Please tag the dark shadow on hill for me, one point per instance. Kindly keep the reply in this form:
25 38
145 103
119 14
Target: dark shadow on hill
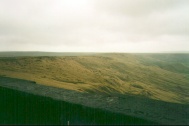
23 108
50 105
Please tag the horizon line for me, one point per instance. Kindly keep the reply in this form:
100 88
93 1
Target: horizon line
97 52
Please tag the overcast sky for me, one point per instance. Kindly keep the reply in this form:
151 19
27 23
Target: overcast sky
94 25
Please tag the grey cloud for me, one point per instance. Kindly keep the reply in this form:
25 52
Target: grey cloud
100 25
144 27
138 7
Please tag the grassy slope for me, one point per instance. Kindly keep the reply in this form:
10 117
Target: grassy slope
157 76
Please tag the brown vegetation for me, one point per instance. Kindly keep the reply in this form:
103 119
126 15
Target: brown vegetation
147 75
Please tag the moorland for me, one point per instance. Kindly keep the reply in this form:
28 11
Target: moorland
156 77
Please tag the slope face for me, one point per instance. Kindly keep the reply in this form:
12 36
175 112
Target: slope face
134 109
155 76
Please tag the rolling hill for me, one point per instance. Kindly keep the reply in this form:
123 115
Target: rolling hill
163 77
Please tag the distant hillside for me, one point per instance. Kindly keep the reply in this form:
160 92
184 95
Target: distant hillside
30 53
156 76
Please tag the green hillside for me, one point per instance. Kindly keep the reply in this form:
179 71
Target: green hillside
157 76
